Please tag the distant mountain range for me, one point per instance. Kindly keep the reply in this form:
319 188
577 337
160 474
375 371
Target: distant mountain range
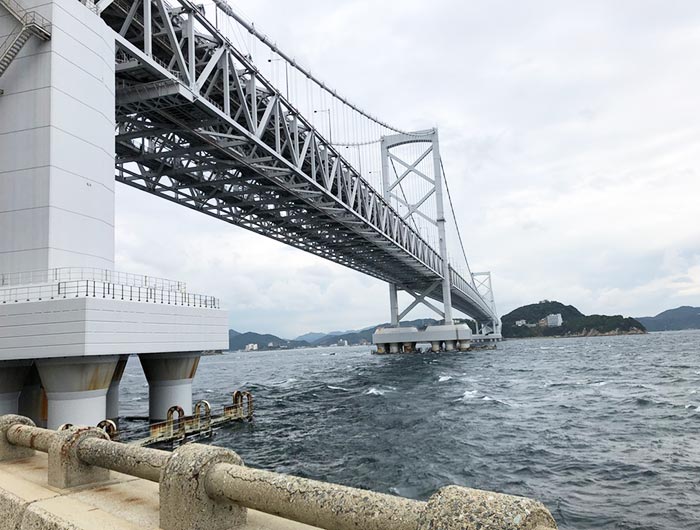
575 323
238 341
684 317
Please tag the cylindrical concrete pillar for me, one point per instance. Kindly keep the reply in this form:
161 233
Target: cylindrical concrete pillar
450 345
169 378
12 376
464 345
393 347
435 346
33 402
113 391
76 388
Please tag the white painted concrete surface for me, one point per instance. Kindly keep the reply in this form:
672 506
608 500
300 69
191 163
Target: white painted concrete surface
57 144
97 326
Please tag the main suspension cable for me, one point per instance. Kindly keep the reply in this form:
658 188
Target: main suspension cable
228 10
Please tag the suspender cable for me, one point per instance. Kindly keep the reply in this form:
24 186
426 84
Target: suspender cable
454 216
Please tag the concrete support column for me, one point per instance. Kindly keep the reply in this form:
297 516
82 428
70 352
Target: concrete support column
12 376
113 391
169 378
394 304
77 388
33 402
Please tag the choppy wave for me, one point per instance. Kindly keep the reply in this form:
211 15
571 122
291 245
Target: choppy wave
602 430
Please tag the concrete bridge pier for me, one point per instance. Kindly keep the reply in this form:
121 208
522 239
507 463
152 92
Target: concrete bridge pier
113 391
33 402
12 375
169 378
76 388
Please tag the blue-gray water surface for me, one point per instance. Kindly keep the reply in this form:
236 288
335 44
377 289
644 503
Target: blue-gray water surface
605 431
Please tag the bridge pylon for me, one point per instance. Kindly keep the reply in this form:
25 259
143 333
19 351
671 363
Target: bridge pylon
413 161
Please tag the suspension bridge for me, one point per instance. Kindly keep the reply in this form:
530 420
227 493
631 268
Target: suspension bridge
193 104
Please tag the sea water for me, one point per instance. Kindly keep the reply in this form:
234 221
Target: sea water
604 430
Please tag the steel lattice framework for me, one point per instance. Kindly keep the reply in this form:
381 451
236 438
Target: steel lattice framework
199 125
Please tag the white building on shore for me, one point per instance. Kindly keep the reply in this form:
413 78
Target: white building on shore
554 320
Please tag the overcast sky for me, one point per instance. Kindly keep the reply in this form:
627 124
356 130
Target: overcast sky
570 133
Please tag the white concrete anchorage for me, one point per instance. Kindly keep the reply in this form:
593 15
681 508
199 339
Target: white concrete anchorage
69 321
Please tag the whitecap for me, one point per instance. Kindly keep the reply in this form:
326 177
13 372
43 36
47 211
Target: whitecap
600 383
470 394
374 392
331 387
486 398
444 378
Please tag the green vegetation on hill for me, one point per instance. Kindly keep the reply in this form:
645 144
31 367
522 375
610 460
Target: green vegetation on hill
575 323
238 341
535 312
684 317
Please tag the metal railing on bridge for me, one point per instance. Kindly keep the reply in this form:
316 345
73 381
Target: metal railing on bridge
29 23
66 274
106 290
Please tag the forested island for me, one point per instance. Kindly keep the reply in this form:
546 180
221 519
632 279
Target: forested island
541 320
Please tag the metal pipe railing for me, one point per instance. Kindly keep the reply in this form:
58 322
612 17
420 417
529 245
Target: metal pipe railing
103 289
311 502
63 274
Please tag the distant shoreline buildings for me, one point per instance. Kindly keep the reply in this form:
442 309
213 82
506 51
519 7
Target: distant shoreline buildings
553 320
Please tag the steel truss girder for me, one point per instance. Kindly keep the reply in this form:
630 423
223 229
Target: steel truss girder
200 126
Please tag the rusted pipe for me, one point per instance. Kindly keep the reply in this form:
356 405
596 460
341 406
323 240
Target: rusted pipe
31 437
311 502
128 459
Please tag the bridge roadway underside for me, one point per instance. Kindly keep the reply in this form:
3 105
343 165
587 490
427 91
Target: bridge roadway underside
240 154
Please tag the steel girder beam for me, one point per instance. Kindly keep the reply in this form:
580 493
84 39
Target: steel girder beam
199 125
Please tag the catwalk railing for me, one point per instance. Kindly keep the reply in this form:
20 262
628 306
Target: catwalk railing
199 481
66 274
106 290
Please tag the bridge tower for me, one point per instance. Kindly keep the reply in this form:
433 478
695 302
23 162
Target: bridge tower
69 318
398 167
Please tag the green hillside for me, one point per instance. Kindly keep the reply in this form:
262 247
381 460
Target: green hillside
575 323
240 340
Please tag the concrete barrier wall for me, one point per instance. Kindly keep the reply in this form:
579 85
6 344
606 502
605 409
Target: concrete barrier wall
203 487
